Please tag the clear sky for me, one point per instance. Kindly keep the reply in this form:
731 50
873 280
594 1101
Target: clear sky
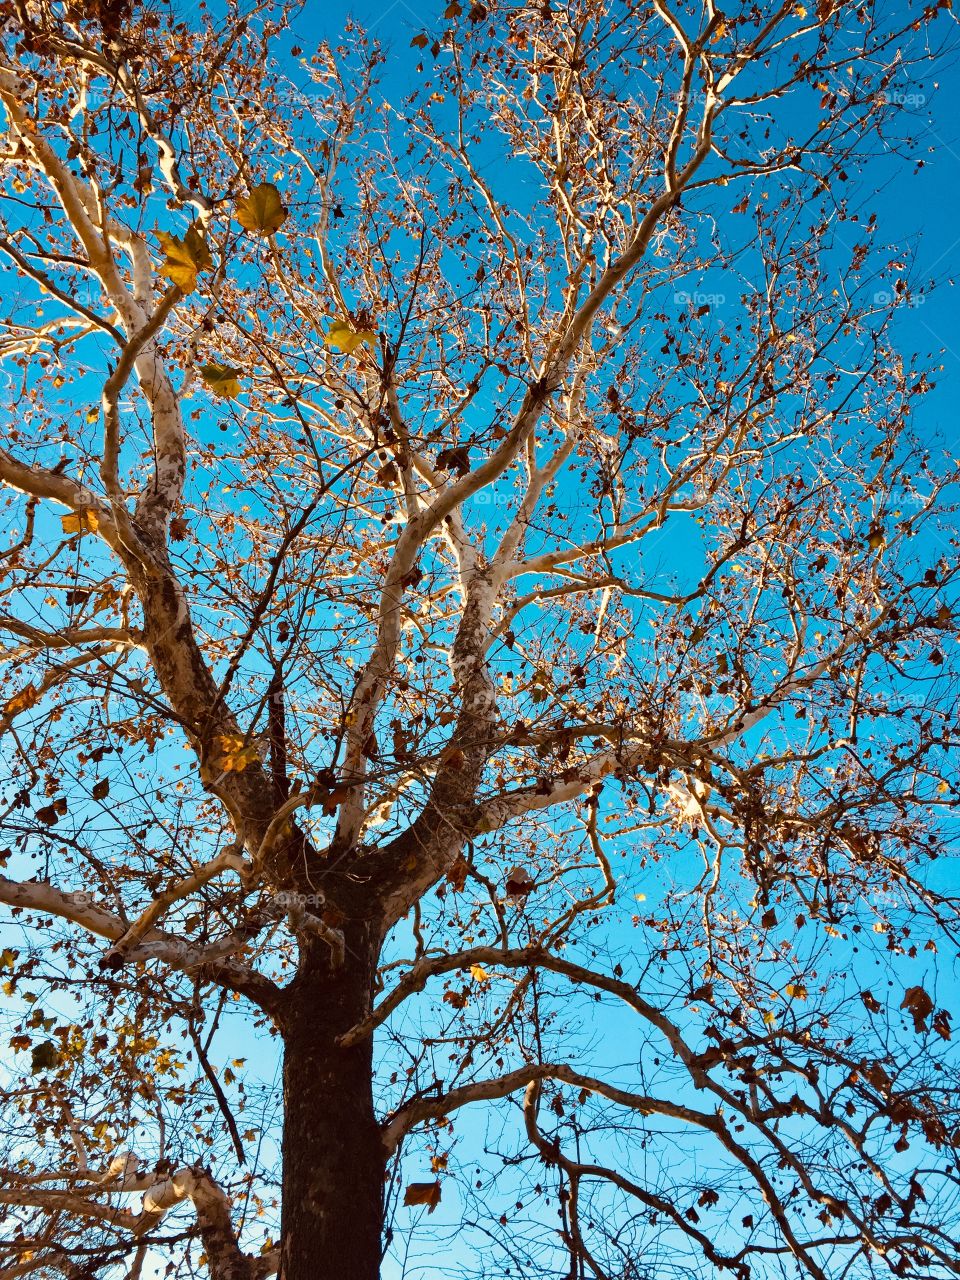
917 214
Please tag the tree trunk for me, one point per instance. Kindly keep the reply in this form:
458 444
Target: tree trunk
333 1155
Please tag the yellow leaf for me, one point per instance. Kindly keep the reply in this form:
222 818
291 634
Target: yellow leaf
343 337
93 413
28 697
479 974
82 521
942 788
769 1019
233 755
796 990
222 379
262 211
185 258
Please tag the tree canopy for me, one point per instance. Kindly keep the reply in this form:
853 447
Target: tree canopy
479 620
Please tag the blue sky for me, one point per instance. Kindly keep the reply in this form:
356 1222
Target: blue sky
912 207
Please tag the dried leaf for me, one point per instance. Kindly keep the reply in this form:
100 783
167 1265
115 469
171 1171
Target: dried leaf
26 698
262 211
185 258
919 1005
82 521
427 1193
457 874
519 882
45 1057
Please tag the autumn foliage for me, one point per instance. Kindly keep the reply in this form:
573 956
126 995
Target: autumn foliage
479 609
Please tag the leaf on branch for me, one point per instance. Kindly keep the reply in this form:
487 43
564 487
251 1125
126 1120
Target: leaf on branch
8 957
26 698
456 458
427 1193
457 874
185 258
101 789
222 379
83 521
342 336
50 814
479 974
262 212
919 1005
796 990
871 1001
941 1023
233 754
519 882
45 1057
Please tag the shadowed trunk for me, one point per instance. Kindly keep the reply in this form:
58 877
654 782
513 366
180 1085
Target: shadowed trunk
333 1154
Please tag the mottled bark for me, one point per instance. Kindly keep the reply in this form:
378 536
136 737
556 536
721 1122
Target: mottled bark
225 1259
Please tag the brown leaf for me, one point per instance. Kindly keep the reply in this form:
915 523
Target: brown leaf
27 697
871 1001
919 1005
427 1193
457 874
455 459
519 882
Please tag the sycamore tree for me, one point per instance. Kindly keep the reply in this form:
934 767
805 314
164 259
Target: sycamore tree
480 648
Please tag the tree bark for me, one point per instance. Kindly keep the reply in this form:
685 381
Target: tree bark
334 1157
